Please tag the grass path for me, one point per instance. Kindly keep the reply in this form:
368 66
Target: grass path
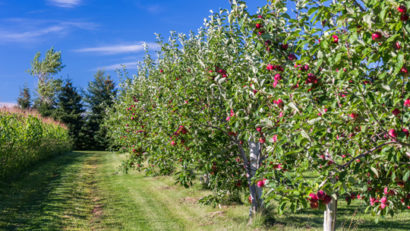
86 191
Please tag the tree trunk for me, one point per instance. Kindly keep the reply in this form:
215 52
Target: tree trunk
255 191
329 221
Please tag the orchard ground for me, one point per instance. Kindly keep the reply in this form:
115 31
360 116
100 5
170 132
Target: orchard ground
87 191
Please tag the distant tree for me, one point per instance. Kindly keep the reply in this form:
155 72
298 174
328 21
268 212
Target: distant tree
47 108
99 97
69 110
47 86
24 100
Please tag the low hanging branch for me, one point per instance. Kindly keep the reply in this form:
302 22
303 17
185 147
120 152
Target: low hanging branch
365 153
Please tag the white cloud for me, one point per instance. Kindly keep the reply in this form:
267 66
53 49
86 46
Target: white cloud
29 35
118 49
150 8
30 30
154 9
127 65
6 104
65 3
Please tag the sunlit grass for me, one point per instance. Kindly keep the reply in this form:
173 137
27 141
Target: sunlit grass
87 191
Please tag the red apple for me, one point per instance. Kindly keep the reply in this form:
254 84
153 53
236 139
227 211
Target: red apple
407 103
397 46
275 138
321 195
376 36
261 183
405 131
314 204
353 116
291 57
402 9
313 197
327 199
392 133
335 38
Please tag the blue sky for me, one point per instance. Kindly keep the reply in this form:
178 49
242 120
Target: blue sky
91 34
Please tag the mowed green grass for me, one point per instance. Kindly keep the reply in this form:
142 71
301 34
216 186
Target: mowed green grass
87 191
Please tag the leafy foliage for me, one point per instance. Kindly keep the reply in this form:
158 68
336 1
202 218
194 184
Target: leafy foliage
324 89
47 86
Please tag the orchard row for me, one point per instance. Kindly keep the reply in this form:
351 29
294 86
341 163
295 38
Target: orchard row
311 105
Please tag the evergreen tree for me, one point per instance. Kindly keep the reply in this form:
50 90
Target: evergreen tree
99 97
24 100
69 110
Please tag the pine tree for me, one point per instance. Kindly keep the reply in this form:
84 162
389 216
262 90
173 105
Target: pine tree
24 100
99 96
69 110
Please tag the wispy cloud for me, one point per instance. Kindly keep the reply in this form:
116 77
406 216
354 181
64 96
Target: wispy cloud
28 35
31 30
151 8
154 8
7 104
65 3
118 49
127 65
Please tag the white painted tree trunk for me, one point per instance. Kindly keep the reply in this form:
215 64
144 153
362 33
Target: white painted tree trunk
256 192
329 221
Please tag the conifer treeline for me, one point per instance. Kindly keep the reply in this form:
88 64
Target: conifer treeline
82 111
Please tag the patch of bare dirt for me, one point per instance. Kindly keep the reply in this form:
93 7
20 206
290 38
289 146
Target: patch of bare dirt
97 211
167 187
189 200
216 214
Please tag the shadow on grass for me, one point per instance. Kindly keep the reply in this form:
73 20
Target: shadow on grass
351 218
40 197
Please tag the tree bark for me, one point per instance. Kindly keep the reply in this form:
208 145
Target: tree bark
329 221
255 191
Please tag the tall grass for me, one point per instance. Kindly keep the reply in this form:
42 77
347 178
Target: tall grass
26 137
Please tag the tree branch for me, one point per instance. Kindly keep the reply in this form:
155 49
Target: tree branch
358 5
365 153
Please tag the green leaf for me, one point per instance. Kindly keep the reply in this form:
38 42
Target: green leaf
293 105
375 171
338 58
406 176
383 13
399 64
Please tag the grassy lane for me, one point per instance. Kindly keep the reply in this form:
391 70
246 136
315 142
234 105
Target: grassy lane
86 191
54 195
